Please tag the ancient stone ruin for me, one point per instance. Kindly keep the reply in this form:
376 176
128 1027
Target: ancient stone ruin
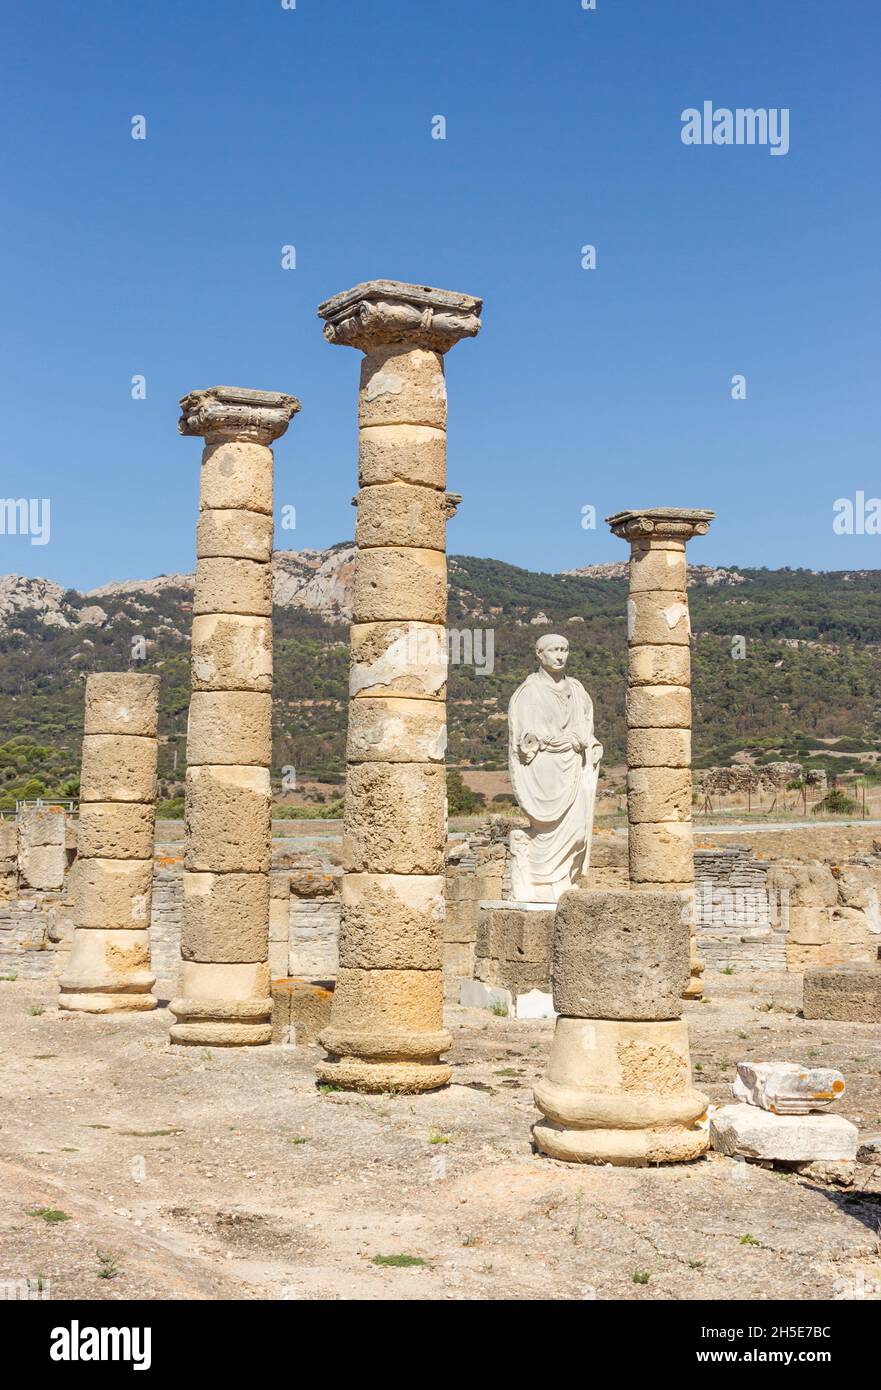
109 966
618 1086
353 941
659 787
386 1030
224 996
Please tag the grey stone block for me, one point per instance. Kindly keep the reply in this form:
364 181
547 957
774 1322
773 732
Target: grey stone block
620 955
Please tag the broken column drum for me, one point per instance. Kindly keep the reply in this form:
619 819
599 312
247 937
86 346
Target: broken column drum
109 966
386 1030
618 1086
224 996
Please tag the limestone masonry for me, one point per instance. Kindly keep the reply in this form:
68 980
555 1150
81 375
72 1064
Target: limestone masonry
109 966
659 701
224 997
386 1030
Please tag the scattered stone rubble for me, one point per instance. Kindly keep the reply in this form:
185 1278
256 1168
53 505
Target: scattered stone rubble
780 1116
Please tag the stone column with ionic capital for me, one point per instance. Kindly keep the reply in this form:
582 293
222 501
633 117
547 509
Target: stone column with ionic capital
224 996
659 781
386 1030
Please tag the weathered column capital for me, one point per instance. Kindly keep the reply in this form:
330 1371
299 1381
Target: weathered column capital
235 412
379 313
660 523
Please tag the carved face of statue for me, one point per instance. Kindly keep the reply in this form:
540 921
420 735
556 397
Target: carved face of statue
553 653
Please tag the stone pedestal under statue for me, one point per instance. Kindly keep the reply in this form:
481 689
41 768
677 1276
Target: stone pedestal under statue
512 966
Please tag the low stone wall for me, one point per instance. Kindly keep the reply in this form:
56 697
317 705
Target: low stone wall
166 916
476 872
741 919
834 910
752 914
34 929
304 922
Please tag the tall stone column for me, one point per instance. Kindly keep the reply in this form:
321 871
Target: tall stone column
224 998
109 966
386 1030
659 782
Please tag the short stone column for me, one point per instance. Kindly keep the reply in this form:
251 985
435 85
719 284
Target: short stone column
618 1087
109 966
224 996
659 783
386 1030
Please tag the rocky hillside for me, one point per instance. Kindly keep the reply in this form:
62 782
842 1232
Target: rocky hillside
810 669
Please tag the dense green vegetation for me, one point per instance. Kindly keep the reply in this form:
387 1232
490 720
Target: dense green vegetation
811 672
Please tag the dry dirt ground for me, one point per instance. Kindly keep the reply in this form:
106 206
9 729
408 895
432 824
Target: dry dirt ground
188 1174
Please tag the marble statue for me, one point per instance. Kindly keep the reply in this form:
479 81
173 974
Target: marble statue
553 759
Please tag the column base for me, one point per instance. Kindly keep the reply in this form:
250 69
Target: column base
96 1002
108 972
695 987
218 1033
620 1092
224 1005
399 1061
625 1148
221 1022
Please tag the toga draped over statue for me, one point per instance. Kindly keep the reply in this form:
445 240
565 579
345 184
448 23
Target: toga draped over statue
553 759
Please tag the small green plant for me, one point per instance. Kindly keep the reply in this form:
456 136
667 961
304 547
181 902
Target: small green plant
641 1276
206 1054
696 1264
8 977
435 1136
748 1240
471 1240
507 1071
499 1008
298 1139
107 1265
398 1261
742 1034
729 970
325 1088
35 1010
49 1214
836 803
698 1066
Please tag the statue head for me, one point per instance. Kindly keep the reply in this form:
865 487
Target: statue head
552 651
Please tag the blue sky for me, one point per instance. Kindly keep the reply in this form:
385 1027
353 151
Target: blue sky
609 388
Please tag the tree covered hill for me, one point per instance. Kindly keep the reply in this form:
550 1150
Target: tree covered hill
807 670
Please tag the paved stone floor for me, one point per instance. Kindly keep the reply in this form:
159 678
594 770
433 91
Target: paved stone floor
190 1174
